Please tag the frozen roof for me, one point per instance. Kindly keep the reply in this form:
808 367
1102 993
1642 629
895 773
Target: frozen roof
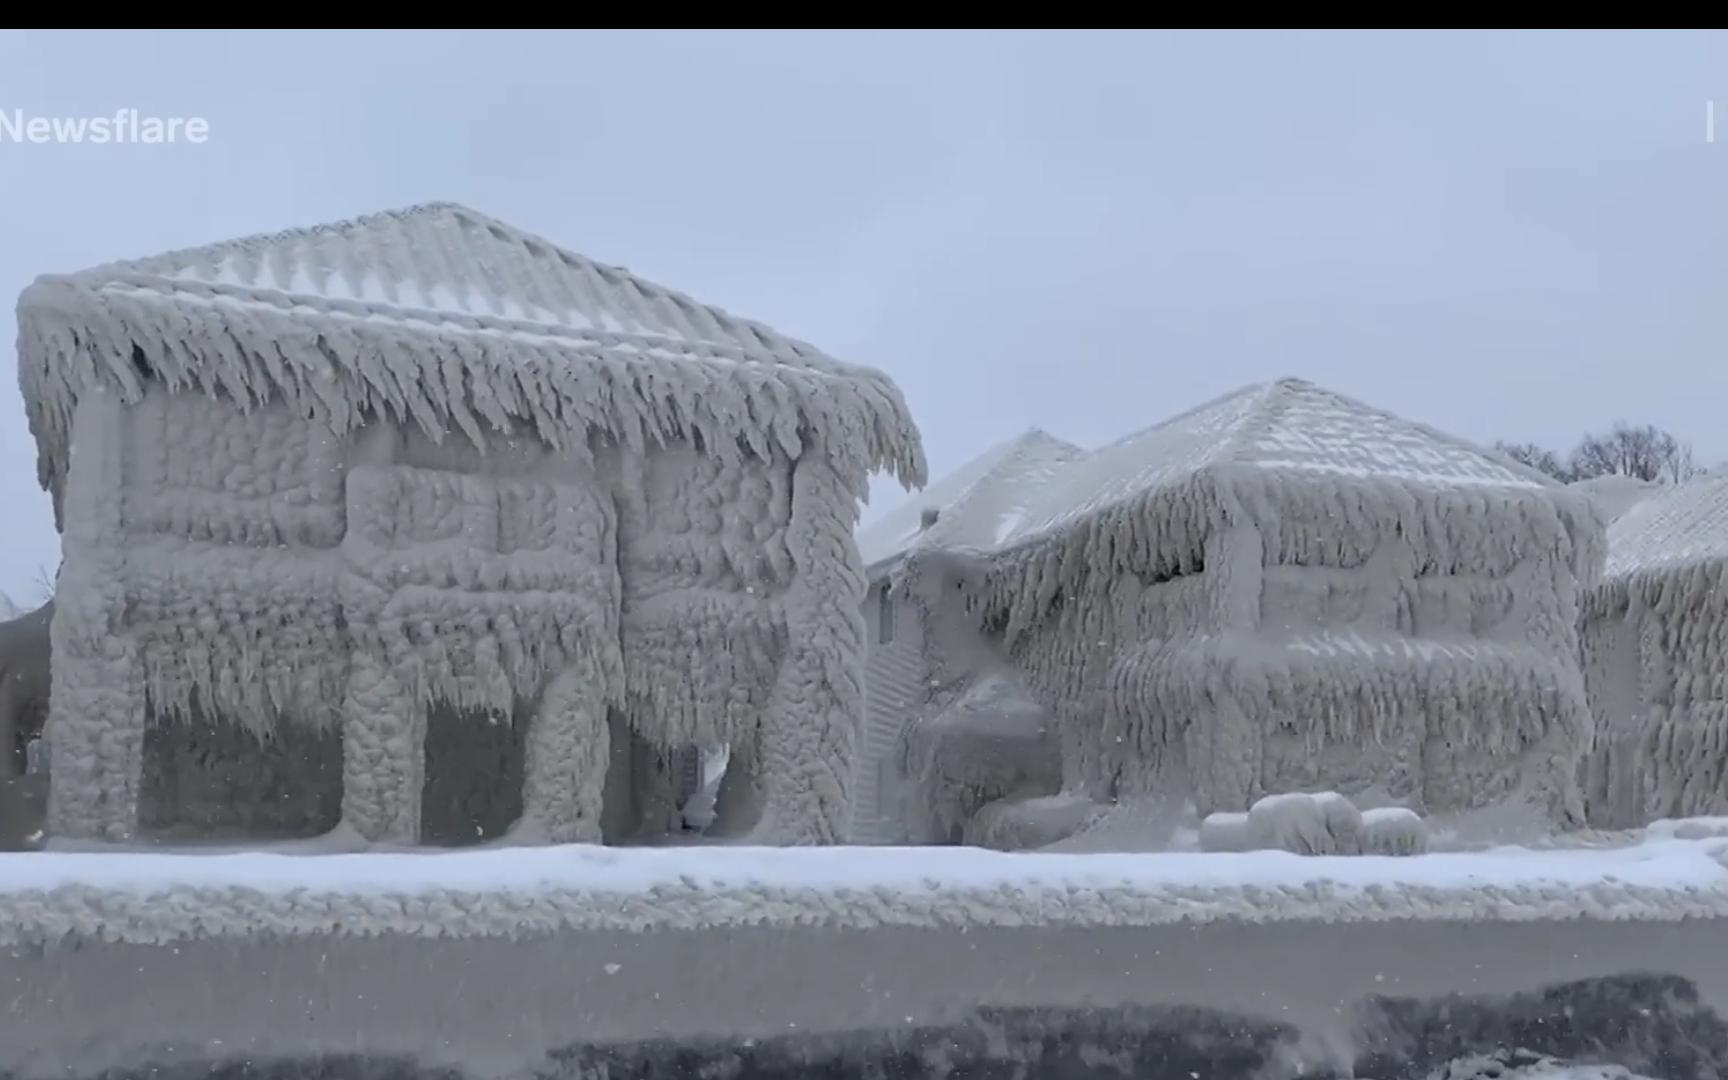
1289 426
1685 525
442 262
1615 495
978 504
443 314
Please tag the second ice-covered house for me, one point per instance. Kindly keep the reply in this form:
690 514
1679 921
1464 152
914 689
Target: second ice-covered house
1287 589
408 526
1655 637
934 689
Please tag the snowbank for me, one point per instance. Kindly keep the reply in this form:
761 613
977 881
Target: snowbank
1223 832
1024 824
1692 828
520 892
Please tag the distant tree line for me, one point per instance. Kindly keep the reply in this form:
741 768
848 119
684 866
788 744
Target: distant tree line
1644 453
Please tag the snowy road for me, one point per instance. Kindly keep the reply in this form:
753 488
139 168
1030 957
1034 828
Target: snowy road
491 1006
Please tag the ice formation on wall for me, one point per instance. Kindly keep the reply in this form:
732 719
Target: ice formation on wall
968 733
1655 640
335 479
1286 589
992 742
922 668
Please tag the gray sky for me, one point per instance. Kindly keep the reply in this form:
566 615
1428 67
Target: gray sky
1505 235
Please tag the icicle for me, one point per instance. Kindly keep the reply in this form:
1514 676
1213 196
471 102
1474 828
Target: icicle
283 259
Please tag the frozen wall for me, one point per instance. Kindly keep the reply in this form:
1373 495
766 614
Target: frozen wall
481 586
896 683
741 627
1248 632
399 604
990 742
1656 661
199 565
967 733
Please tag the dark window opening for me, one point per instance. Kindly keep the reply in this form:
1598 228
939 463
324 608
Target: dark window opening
208 778
472 791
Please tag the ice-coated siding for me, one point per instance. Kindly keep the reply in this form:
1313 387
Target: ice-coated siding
896 683
248 595
1274 664
1655 636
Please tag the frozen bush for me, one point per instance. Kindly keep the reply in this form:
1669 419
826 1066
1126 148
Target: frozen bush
1393 830
1323 823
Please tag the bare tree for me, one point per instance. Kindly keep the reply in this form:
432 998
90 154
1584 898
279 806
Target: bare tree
44 585
1647 453
1539 458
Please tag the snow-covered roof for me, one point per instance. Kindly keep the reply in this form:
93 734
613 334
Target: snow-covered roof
443 262
1685 525
977 504
1290 426
1615 495
443 314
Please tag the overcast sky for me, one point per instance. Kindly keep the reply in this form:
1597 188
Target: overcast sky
1505 235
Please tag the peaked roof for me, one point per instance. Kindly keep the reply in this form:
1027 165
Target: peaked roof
1615 495
443 262
1289 426
449 317
1684 525
978 503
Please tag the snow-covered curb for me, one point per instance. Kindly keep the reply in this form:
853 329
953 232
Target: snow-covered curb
154 898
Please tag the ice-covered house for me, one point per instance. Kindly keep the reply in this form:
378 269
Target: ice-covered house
1288 589
402 526
919 667
1655 636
